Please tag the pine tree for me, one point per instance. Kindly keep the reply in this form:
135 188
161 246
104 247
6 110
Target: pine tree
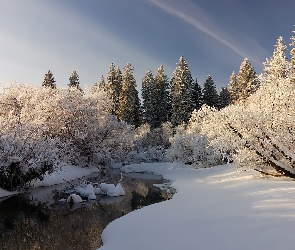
181 94
197 95
129 103
162 99
113 87
74 80
148 97
49 81
277 66
247 80
210 94
100 85
234 88
292 52
224 98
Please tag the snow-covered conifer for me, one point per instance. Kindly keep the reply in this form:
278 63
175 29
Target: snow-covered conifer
162 101
148 97
247 80
113 87
74 80
129 103
292 52
181 94
277 66
210 94
49 80
233 88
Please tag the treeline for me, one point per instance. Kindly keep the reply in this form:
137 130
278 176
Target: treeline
163 99
257 131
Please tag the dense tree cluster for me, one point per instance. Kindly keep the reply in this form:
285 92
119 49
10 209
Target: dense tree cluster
257 130
250 122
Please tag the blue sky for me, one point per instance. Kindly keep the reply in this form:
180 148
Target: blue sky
88 35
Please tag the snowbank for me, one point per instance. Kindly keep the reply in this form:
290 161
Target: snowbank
4 193
213 209
66 173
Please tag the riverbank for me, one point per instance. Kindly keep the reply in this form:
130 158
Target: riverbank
213 208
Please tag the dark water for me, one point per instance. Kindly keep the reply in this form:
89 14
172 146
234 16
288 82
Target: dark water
37 220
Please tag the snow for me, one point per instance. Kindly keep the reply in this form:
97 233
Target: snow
65 173
74 198
4 193
214 208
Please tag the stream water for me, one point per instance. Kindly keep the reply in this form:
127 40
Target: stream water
38 220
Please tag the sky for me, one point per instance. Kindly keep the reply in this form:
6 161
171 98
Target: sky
87 36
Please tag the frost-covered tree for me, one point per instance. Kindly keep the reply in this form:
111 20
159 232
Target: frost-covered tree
292 52
113 87
210 94
197 95
42 127
233 88
49 81
100 85
278 65
148 97
74 80
224 98
129 103
181 94
247 80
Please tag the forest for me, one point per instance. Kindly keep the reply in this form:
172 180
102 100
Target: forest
249 123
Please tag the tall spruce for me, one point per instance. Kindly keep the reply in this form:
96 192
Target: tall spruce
129 103
224 98
100 85
148 97
210 94
181 94
247 80
234 88
162 100
49 81
197 95
113 87
74 80
278 65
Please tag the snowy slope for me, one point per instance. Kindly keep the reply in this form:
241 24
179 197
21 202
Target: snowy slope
212 209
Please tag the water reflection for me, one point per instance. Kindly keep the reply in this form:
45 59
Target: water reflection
30 224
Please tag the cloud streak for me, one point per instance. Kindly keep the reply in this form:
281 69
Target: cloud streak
191 14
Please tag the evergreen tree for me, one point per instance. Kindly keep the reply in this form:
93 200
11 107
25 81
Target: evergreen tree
197 95
49 81
247 80
181 94
162 99
234 88
113 87
224 98
277 66
74 80
129 103
100 85
148 97
210 94
292 52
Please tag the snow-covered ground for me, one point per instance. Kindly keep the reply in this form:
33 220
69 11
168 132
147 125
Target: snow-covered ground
213 209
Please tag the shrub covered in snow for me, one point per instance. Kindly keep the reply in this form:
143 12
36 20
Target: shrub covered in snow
45 126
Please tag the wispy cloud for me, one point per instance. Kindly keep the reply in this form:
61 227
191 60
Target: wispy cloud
192 14
35 40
